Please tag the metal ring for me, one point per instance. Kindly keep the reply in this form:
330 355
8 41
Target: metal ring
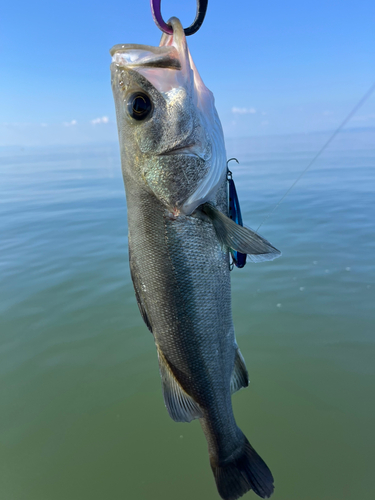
193 28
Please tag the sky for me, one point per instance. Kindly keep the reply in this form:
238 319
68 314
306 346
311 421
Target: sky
274 67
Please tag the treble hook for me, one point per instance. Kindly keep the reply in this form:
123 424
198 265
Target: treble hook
193 28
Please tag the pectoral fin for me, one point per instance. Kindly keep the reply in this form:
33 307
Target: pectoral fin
240 376
239 238
181 407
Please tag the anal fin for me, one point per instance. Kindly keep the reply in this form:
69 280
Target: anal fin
240 376
181 407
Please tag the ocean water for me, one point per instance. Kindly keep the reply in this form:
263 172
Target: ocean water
82 414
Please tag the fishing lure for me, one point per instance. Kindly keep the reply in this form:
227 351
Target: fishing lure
239 259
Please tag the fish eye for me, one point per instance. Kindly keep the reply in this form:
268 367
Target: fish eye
139 106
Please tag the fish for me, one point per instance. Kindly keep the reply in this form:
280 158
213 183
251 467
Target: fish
180 235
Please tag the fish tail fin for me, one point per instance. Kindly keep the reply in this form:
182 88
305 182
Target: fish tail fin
245 472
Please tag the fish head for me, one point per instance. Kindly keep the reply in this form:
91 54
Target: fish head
170 135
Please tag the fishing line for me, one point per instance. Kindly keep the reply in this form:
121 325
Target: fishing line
325 145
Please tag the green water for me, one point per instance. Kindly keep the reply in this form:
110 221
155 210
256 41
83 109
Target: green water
82 415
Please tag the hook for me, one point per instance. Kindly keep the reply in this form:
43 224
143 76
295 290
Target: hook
193 28
229 173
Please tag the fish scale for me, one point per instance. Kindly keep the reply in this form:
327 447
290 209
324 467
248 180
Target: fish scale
187 298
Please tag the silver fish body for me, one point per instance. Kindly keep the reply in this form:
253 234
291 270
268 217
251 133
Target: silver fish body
174 168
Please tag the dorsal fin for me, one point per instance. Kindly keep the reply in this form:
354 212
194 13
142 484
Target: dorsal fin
181 407
137 290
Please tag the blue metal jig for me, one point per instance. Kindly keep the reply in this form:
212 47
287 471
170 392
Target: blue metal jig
239 259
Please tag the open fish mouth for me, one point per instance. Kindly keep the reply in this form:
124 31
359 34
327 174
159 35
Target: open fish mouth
145 56
150 61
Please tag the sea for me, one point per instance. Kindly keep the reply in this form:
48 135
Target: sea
82 414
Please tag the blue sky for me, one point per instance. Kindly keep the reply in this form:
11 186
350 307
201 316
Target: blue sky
274 67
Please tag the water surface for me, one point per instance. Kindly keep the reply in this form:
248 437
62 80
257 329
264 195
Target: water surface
82 414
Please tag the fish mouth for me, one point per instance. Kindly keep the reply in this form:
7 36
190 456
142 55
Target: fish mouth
145 56
161 66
